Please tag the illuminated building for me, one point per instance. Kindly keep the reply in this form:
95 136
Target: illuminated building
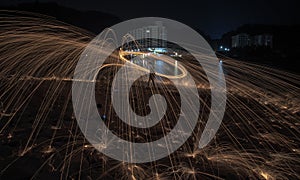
263 40
156 32
241 40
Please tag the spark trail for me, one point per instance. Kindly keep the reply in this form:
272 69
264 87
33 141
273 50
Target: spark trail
259 136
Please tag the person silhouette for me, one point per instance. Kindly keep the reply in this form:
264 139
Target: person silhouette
152 74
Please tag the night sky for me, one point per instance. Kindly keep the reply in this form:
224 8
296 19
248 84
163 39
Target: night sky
214 17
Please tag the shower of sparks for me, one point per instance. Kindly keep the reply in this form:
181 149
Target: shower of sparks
258 139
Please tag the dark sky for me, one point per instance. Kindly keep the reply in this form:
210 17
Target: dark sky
214 17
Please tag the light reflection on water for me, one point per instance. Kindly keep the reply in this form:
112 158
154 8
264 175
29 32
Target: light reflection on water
169 67
160 66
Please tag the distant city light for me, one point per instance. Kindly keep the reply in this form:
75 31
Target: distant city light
157 50
221 47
